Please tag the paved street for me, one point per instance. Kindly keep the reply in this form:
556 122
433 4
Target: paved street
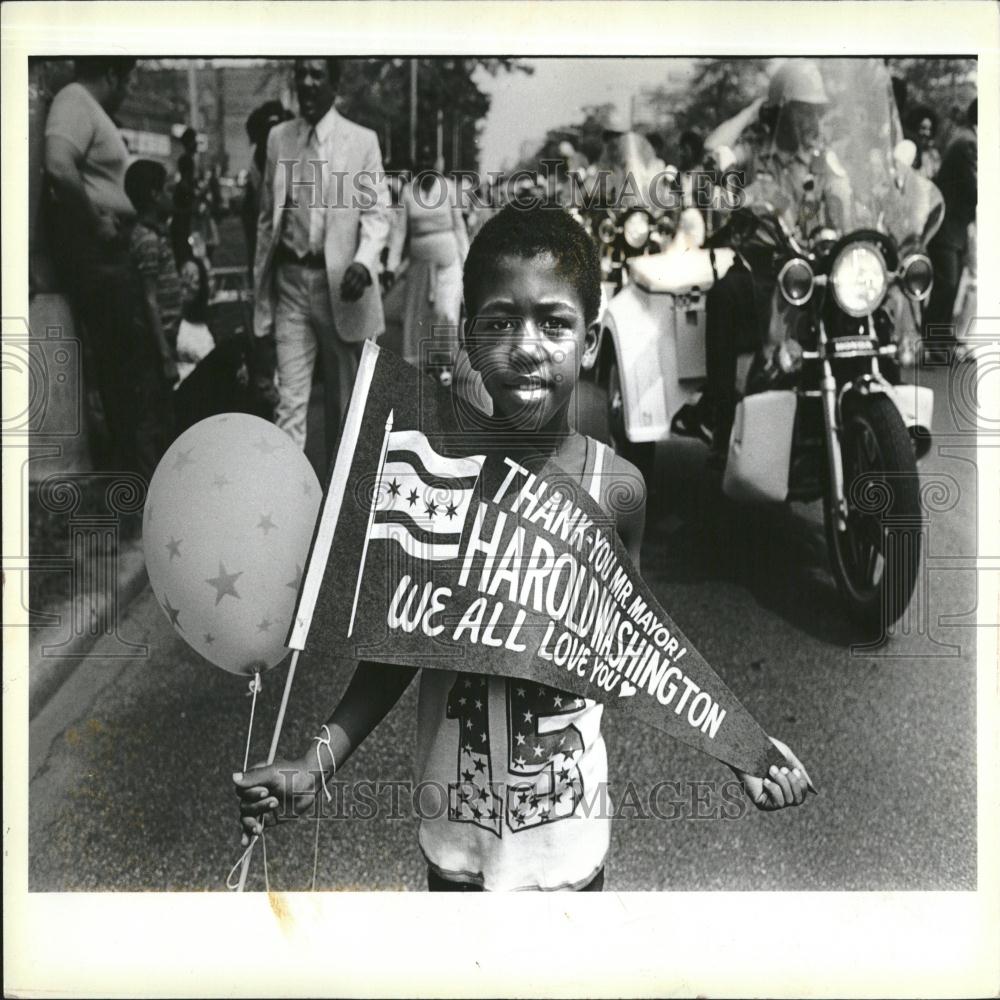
131 761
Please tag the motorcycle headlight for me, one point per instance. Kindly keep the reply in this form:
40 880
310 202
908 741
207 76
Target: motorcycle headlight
606 231
635 229
917 276
796 281
859 279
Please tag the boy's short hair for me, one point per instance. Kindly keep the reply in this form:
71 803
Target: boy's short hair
530 231
142 179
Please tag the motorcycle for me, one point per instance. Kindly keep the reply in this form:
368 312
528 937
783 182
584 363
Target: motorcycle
837 426
617 204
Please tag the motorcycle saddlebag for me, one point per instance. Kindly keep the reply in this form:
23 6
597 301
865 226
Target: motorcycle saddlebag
760 447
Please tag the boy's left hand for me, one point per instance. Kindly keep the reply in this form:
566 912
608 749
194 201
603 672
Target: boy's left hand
785 786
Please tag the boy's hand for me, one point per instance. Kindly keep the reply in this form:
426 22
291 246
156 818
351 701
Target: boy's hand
785 786
282 790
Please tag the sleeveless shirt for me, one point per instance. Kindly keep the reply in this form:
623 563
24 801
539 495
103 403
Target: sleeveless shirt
513 774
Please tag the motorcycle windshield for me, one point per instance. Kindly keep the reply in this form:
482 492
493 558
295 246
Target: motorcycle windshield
632 168
862 131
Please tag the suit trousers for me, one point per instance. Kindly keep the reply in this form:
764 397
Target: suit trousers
304 325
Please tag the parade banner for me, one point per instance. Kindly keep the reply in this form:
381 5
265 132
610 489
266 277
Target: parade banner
441 545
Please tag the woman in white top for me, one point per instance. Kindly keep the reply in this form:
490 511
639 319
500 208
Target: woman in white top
430 214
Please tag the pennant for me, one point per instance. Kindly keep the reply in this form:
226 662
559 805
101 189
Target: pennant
437 548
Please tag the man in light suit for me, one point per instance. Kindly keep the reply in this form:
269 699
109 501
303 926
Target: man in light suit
324 220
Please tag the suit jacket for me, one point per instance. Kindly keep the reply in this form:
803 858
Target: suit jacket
355 221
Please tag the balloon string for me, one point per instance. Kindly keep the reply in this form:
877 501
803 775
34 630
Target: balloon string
254 689
322 741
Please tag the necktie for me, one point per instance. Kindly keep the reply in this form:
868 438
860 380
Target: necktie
316 211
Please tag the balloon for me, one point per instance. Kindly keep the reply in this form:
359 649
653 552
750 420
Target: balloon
226 530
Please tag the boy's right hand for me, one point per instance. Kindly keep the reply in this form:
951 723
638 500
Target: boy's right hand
282 790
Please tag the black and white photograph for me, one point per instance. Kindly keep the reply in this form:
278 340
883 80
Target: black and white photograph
445 453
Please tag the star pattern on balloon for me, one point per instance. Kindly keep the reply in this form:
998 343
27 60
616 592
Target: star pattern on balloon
174 547
266 524
209 638
183 460
266 447
221 481
264 625
294 583
172 613
224 583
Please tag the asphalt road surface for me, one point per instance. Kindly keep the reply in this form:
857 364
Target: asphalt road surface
131 760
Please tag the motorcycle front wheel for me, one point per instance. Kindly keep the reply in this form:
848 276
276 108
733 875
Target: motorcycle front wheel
876 558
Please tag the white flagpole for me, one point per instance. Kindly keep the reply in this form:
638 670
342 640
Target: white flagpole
371 519
319 554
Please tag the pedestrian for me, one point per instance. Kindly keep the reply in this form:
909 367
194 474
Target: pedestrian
532 292
949 249
158 315
194 338
185 198
323 222
921 127
85 162
430 214
259 124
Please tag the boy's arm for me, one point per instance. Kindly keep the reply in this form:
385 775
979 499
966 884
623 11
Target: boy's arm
289 786
626 497
151 310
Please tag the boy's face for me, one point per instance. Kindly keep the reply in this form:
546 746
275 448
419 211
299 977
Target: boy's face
528 340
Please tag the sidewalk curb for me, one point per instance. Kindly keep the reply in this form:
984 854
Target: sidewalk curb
47 673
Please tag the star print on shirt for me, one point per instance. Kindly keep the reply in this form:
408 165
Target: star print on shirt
394 488
452 511
224 583
412 498
430 508
473 800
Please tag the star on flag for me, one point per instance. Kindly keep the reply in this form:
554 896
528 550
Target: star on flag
423 497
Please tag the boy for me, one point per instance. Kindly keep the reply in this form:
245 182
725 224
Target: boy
159 308
532 294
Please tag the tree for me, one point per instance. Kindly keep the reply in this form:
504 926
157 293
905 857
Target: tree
946 85
376 93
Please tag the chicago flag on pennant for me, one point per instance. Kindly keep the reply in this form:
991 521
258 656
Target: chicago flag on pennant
423 497
436 548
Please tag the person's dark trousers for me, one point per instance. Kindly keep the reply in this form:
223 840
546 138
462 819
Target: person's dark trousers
102 291
947 259
736 318
435 883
